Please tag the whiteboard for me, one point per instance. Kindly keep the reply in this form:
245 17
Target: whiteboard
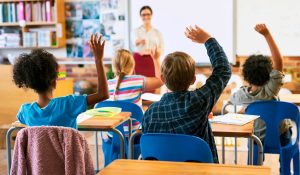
281 16
171 17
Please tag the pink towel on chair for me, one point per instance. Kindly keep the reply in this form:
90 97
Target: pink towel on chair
51 150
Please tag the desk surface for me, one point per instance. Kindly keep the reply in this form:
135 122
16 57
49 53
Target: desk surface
226 130
95 123
292 98
142 167
104 123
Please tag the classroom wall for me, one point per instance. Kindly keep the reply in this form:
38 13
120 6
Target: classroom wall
291 65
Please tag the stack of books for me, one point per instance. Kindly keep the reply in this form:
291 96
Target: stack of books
29 39
44 37
10 37
40 11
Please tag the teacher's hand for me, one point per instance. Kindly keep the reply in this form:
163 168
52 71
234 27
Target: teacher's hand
140 42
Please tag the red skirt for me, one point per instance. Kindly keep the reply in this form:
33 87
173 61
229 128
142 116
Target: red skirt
144 66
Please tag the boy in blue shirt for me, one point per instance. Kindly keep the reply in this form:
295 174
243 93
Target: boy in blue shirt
38 71
186 112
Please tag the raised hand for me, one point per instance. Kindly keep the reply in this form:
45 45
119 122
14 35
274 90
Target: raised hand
262 29
97 46
196 34
155 53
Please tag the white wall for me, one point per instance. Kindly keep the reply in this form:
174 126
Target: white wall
171 17
281 16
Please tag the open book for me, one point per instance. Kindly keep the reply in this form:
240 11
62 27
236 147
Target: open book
151 97
234 119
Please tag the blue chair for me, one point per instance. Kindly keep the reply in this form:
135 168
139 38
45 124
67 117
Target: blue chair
111 147
175 147
273 112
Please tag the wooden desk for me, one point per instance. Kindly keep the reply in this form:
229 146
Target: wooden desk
223 130
143 167
292 98
104 123
107 124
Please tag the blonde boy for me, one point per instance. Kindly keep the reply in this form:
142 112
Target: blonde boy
182 111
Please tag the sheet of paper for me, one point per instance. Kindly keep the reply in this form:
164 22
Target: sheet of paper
234 119
151 97
82 117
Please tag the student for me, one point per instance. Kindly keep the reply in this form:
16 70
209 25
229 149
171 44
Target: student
265 80
38 71
186 112
129 87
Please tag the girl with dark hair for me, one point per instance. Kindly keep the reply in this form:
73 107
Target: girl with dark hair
38 71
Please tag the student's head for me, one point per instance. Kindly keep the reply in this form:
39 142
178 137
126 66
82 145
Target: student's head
123 64
36 70
256 70
146 14
178 71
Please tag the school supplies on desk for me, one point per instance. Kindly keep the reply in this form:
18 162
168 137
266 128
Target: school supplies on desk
104 112
151 97
234 119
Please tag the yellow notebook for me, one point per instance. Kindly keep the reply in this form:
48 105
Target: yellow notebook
104 111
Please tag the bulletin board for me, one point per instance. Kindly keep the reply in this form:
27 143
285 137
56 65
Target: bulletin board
83 18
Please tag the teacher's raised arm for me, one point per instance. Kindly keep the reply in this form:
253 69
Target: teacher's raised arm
148 44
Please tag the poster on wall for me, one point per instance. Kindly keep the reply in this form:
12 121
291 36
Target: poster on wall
107 17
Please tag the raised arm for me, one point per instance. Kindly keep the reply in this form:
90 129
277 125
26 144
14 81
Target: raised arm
221 68
97 47
155 82
276 55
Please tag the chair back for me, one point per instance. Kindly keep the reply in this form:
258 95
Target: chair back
175 147
51 150
273 113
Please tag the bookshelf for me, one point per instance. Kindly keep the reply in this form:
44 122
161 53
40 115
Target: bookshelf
32 23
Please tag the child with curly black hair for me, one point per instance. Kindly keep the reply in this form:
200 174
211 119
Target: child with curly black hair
38 71
265 79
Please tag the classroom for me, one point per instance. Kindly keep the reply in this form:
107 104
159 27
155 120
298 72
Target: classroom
150 87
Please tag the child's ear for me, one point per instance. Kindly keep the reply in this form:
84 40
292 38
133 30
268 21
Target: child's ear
194 79
162 78
53 83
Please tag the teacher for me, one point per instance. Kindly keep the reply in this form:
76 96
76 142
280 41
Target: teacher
148 41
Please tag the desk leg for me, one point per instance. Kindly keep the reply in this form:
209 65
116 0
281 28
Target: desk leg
235 140
235 150
122 142
131 145
8 148
260 149
223 150
250 151
129 127
96 150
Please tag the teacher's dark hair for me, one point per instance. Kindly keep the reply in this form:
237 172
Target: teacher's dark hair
145 8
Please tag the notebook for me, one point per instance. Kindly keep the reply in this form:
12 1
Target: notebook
99 112
104 111
234 119
151 97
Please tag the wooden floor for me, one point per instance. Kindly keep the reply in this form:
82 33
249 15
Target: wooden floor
270 160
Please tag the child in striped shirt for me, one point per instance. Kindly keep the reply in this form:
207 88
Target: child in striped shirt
129 87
